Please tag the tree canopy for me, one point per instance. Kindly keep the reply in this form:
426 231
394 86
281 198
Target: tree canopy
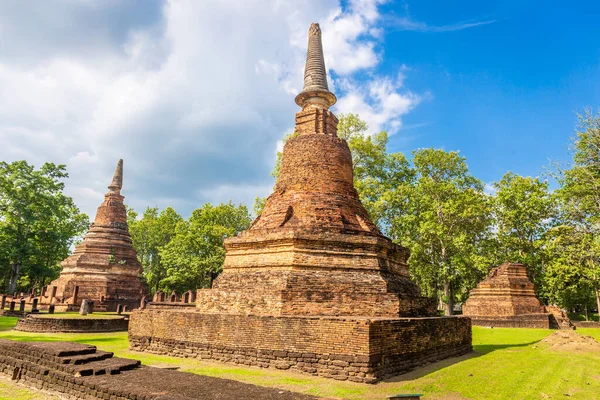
38 223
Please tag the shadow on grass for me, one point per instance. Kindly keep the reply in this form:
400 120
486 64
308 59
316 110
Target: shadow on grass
483 349
478 351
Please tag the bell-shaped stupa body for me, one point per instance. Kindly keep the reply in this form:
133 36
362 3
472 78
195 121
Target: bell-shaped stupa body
314 250
104 267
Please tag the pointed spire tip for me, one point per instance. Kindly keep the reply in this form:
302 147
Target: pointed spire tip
117 182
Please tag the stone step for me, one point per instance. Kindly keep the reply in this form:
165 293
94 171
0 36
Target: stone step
110 366
61 349
86 358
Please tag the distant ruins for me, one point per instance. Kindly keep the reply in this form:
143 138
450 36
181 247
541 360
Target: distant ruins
104 267
313 285
506 298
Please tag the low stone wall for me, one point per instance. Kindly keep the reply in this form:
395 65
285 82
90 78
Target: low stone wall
39 323
343 348
586 324
15 313
543 321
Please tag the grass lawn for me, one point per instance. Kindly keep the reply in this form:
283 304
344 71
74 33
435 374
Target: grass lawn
507 363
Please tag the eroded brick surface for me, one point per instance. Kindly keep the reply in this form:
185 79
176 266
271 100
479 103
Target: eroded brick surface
343 348
506 298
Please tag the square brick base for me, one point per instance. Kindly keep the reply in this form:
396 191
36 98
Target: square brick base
543 321
344 348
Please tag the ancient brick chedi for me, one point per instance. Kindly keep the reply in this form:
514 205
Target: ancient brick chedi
506 298
313 285
104 267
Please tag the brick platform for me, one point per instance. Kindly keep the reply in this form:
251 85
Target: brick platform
39 323
352 348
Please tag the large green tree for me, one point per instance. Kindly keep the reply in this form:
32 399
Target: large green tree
524 210
446 225
38 223
196 253
580 201
149 234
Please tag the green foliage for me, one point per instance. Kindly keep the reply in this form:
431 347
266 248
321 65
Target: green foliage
445 222
149 235
38 223
576 241
196 253
524 210
259 204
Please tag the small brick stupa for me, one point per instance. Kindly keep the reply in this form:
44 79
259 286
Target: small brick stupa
506 298
313 285
104 267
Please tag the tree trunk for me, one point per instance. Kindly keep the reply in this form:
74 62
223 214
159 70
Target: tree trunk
449 309
586 313
14 276
597 296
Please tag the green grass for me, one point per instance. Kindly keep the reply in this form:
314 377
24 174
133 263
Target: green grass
506 363
12 391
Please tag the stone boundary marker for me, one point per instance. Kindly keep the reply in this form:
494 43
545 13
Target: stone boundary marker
39 323
78 371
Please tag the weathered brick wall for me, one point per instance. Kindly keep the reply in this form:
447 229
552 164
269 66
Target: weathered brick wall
357 349
287 291
542 321
89 324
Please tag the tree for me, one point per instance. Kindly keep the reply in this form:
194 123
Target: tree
196 253
38 222
524 211
446 225
149 234
568 278
580 200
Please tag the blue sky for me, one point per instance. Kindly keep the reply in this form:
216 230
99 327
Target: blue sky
505 92
196 95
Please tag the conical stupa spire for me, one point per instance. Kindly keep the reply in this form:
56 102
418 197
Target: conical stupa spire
117 182
315 91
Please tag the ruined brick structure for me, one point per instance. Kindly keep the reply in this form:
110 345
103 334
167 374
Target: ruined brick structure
506 298
313 285
80 371
104 266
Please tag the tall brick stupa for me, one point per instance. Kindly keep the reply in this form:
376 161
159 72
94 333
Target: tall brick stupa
312 285
104 267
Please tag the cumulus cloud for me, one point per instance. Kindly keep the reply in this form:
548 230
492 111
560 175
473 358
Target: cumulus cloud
381 102
194 96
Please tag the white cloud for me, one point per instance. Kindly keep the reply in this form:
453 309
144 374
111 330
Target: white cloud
381 103
193 95
407 23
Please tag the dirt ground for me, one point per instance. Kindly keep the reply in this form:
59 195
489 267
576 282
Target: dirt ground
571 341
